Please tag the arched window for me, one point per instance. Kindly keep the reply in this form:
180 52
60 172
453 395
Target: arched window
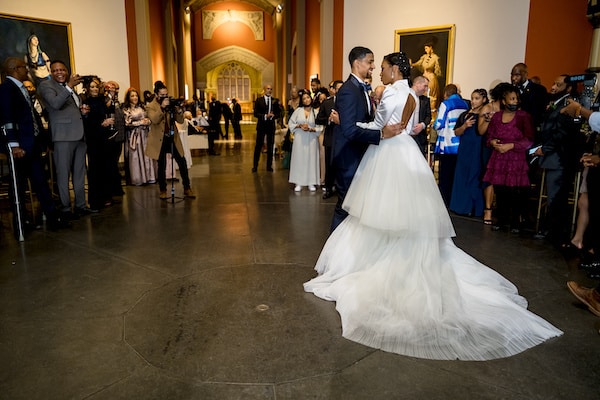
233 81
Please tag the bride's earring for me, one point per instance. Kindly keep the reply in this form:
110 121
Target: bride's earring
392 75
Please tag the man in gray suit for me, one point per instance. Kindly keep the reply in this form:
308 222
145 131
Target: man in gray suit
66 125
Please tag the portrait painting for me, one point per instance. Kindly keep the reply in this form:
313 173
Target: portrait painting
37 41
431 52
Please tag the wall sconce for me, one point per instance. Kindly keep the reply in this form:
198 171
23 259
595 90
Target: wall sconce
188 10
279 8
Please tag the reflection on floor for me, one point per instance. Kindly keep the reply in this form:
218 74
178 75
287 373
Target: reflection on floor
202 299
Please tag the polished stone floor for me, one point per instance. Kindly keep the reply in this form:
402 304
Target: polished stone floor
203 299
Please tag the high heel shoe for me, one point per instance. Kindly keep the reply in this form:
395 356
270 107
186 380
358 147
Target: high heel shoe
487 216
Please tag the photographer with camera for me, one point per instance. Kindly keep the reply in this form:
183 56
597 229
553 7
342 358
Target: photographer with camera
163 111
590 297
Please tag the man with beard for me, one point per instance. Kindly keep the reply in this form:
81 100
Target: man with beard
559 143
350 142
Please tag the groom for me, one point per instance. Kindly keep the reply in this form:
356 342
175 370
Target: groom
349 141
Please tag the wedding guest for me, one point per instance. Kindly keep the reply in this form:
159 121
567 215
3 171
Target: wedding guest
324 119
97 124
266 111
117 137
446 147
419 134
510 133
141 167
227 117
487 112
63 104
236 118
26 142
467 195
304 164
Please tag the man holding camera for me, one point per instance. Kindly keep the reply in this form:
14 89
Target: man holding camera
66 124
164 139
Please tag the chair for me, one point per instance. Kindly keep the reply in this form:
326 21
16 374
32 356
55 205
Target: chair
573 199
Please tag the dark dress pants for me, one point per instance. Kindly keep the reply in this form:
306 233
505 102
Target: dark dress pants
269 132
169 147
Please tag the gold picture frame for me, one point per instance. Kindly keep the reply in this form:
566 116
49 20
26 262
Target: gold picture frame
413 42
54 38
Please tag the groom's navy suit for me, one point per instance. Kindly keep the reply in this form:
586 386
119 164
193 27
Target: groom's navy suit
349 141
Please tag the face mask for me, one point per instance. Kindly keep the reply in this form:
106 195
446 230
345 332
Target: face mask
511 107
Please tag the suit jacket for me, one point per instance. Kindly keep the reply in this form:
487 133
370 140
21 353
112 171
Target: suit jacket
424 117
157 130
237 112
214 112
534 99
349 141
323 119
261 110
227 113
66 121
562 142
16 110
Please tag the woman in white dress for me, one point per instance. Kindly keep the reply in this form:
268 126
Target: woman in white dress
399 282
304 164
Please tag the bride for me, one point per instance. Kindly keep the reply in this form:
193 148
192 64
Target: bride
399 282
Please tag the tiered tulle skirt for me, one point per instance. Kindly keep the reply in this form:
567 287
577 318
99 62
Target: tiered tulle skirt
399 282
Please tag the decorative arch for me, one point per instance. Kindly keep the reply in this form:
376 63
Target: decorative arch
259 69
211 20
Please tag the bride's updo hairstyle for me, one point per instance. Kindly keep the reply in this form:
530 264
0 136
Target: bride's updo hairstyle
401 61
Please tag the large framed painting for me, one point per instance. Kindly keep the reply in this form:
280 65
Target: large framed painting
431 51
37 41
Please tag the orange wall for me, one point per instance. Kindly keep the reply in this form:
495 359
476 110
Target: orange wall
234 33
132 48
559 39
157 38
338 40
313 40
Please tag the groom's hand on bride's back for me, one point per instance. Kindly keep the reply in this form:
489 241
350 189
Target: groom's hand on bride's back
392 130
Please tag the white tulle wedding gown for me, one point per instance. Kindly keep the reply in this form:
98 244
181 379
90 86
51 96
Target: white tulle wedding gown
399 282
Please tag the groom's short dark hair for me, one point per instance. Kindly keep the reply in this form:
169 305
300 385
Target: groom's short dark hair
358 53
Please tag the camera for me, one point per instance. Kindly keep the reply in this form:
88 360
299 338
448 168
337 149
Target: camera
173 105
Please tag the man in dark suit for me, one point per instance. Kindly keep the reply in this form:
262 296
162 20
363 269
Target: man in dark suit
558 152
227 117
66 125
266 111
323 118
420 86
24 136
350 142
235 120
534 97
214 122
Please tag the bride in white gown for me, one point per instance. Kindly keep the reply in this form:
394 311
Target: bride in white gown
399 282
